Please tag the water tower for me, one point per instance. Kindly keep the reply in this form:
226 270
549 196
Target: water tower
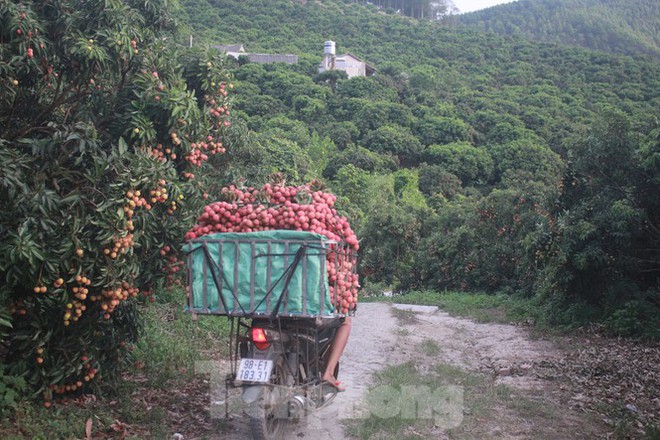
329 54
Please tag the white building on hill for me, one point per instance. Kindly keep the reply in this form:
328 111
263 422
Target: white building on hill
237 50
349 63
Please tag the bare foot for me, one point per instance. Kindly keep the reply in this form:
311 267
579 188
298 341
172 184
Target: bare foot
330 380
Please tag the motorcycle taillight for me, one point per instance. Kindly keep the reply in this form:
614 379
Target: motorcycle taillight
259 338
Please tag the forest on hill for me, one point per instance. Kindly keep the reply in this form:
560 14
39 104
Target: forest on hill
617 26
469 161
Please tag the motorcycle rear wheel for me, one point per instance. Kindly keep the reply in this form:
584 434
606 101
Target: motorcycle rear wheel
268 414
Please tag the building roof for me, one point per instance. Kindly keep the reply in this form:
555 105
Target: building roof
238 50
369 69
272 58
230 48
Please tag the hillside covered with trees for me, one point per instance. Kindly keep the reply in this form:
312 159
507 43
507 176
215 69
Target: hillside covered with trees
625 27
469 161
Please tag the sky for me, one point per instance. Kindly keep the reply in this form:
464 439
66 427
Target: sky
474 5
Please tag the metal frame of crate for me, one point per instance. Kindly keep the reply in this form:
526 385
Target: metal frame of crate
280 307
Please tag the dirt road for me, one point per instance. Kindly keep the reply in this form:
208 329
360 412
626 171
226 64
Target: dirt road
384 335
370 348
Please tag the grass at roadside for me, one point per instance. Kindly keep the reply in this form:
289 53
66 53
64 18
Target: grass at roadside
407 402
144 404
419 401
478 306
405 317
173 341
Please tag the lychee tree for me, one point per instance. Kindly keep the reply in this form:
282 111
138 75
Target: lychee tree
105 127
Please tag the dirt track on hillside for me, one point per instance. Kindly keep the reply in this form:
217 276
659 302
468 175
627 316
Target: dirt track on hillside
505 354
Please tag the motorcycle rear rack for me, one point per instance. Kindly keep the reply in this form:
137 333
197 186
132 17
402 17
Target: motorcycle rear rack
237 335
301 330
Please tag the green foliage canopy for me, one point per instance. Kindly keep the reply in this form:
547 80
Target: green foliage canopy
105 127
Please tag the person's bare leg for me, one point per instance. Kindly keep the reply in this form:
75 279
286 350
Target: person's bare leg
336 350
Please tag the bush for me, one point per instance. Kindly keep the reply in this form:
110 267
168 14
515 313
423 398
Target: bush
374 289
103 128
435 179
395 222
395 140
451 255
640 318
603 241
11 387
471 164
443 130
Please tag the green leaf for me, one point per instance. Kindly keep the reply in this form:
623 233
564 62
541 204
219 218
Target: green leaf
10 397
123 146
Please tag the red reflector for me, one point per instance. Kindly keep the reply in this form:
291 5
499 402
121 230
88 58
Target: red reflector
259 338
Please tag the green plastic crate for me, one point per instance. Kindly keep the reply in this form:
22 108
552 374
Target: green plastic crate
277 272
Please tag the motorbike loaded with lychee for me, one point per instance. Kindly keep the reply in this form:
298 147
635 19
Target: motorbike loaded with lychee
277 290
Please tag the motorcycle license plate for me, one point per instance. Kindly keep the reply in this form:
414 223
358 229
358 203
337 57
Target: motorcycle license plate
254 370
